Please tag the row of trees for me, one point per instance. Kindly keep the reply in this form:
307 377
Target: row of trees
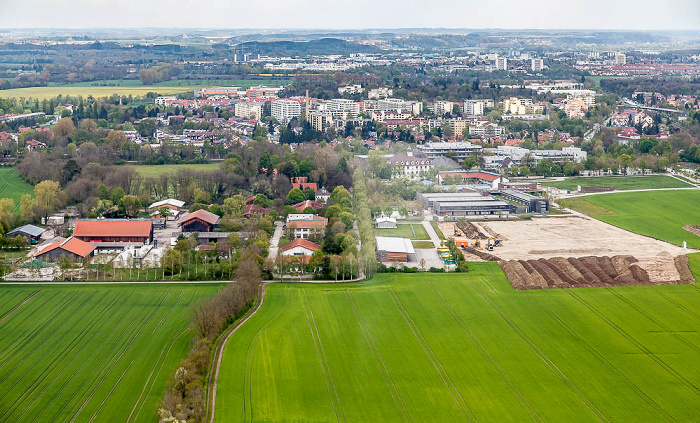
186 396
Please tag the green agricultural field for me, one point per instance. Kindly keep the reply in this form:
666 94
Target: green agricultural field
12 186
154 171
619 182
129 87
464 347
84 353
660 214
405 230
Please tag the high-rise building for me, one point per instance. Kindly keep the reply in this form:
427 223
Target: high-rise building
536 64
620 59
502 63
473 107
285 110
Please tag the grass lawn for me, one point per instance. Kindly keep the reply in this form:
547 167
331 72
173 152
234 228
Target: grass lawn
135 88
405 230
437 229
619 182
423 244
464 347
91 353
12 186
154 171
660 214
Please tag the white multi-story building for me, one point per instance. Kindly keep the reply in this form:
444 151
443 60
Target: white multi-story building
521 106
381 92
460 150
410 166
248 110
342 108
351 89
414 107
163 101
536 64
620 59
485 128
441 107
502 63
473 107
285 110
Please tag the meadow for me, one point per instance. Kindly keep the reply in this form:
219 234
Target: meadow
12 186
658 214
619 182
106 88
154 171
464 347
414 231
85 353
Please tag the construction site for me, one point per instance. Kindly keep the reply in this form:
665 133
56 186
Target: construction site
572 251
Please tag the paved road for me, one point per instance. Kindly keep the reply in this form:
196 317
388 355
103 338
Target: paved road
275 240
627 190
431 233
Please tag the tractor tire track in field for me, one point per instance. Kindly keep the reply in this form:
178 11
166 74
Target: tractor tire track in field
446 379
379 360
94 415
44 326
5 317
678 305
321 353
486 354
657 322
146 319
548 362
66 351
113 359
158 366
105 354
213 378
20 344
556 319
637 344
84 363
250 356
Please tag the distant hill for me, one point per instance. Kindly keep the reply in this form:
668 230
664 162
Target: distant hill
303 48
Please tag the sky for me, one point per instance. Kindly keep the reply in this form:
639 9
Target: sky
353 14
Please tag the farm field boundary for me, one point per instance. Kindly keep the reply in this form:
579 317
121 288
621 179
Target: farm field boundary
377 351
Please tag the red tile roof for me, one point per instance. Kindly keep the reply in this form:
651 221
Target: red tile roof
300 243
200 214
105 228
72 245
307 203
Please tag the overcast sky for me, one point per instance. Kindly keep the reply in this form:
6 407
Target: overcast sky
353 14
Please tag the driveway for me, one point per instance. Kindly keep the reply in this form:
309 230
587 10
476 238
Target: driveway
275 240
431 257
431 233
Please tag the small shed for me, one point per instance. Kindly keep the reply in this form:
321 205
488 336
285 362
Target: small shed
385 222
31 232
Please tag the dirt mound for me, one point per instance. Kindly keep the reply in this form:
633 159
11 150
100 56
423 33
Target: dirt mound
481 254
470 230
693 229
573 272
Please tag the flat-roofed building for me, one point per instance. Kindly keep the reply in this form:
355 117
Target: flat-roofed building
392 249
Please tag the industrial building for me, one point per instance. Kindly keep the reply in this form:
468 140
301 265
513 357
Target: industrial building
531 203
465 204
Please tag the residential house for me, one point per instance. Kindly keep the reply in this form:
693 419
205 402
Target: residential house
306 226
302 183
410 165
